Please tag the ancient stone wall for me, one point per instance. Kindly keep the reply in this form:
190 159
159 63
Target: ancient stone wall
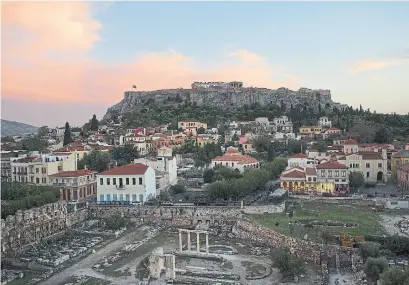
176 216
270 209
29 226
332 255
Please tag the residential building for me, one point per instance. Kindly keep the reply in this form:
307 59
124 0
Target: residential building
248 146
164 165
402 178
310 130
262 121
334 173
191 126
59 132
131 182
282 124
305 180
293 179
80 149
202 140
331 132
399 158
36 168
324 122
300 160
235 160
75 185
5 168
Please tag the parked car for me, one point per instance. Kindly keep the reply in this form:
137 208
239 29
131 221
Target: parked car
357 196
167 203
135 203
73 202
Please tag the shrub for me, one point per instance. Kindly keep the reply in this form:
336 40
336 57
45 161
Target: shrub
115 222
397 244
374 267
369 249
178 188
288 264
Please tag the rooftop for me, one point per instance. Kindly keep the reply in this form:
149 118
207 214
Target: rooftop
331 165
350 142
129 169
294 173
402 154
299 155
76 173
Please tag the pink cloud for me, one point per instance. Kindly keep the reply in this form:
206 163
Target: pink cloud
49 60
370 64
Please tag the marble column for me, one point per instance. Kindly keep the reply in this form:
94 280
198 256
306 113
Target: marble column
188 240
180 242
197 242
207 243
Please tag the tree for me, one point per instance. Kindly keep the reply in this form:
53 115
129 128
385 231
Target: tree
115 222
94 123
356 180
125 154
382 135
208 175
35 143
178 188
369 249
67 134
43 131
97 160
321 146
395 276
374 267
201 130
288 264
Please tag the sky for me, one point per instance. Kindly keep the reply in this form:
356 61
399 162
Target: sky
65 61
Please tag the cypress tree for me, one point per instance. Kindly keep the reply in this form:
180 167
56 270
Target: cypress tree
67 134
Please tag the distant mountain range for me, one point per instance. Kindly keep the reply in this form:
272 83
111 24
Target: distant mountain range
11 128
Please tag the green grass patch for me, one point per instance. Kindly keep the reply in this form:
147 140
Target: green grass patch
368 220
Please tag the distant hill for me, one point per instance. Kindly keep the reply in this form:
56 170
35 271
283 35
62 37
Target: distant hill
11 128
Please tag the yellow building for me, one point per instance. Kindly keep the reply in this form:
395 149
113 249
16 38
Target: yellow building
399 158
202 140
309 130
191 126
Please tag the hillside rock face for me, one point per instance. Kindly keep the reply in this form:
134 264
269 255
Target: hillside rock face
12 128
223 97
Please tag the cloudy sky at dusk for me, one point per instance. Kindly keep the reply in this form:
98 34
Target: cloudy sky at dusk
64 61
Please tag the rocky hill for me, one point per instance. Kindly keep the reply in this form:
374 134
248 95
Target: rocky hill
222 97
12 128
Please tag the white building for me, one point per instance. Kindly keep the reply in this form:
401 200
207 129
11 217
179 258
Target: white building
131 182
235 160
283 124
300 160
164 165
324 122
59 132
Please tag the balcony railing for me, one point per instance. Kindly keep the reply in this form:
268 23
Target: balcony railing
120 187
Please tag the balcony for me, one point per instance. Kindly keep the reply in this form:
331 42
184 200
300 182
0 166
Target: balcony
120 187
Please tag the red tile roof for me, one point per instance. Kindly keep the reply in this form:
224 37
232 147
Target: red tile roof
129 169
299 155
71 148
350 142
310 171
331 165
293 174
76 173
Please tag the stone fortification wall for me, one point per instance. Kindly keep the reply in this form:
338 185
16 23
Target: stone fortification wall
270 209
29 226
177 216
223 97
332 255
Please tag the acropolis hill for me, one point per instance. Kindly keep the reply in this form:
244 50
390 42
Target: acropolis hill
223 94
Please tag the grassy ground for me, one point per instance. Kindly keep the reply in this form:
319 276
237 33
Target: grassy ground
368 220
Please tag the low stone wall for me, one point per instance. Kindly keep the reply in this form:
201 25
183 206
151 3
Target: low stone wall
29 226
334 256
174 215
270 209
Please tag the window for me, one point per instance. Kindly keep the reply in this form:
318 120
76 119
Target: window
380 164
344 173
367 174
120 182
133 181
344 180
329 173
141 198
37 180
113 181
108 197
134 197
314 179
140 181
115 197
127 197
43 170
101 197
336 180
336 173
37 170
309 179
31 179
108 181
368 165
59 168
101 181
127 181
121 197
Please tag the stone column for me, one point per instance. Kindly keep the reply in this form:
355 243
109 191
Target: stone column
188 240
197 242
180 241
207 243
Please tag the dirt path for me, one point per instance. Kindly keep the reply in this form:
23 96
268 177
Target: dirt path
84 266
